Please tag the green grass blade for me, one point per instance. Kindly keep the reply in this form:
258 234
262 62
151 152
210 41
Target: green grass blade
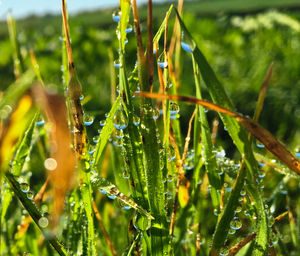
15 90
107 187
210 158
23 148
240 139
162 27
105 133
18 64
34 213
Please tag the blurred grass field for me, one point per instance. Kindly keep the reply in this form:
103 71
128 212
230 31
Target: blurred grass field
240 39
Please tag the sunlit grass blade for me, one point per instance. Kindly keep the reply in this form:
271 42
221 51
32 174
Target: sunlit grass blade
17 125
210 159
34 213
106 187
105 133
23 149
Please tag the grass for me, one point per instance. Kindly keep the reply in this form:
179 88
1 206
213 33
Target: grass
138 186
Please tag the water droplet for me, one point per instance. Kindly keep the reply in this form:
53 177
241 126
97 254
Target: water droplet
88 119
260 145
117 63
162 62
170 178
186 44
30 195
118 143
220 154
243 192
155 113
81 97
138 90
119 134
40 121
43 222
238 209
102 122
217 211
116 15
50 164
273 238
235 224
96 139
120 119
140 222
174 108
231 232
189 160
136 120
24 187
126 207
271 221
128 29
102 191
171 153
111 196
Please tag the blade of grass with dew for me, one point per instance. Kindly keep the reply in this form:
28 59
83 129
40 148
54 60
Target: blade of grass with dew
210 158
132 142
260 133
161 29
18 64
154 176
19 121
80 137
22 152
239 137
105 133
34 213
15 91
107 187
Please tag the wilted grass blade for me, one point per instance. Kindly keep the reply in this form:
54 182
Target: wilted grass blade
61 165
264 136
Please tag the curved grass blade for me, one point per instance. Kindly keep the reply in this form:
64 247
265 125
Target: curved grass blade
15 91
260 133
34 213
105 133
107 187
210 162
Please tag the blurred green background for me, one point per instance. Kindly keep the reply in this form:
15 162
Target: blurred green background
239 38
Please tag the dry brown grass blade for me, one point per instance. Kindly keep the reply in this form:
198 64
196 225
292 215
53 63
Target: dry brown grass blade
66 28
149 54
260 133
182 182
263 93
235 249
105 234
141 57
61 165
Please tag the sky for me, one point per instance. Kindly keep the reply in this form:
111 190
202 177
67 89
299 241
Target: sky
23 8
